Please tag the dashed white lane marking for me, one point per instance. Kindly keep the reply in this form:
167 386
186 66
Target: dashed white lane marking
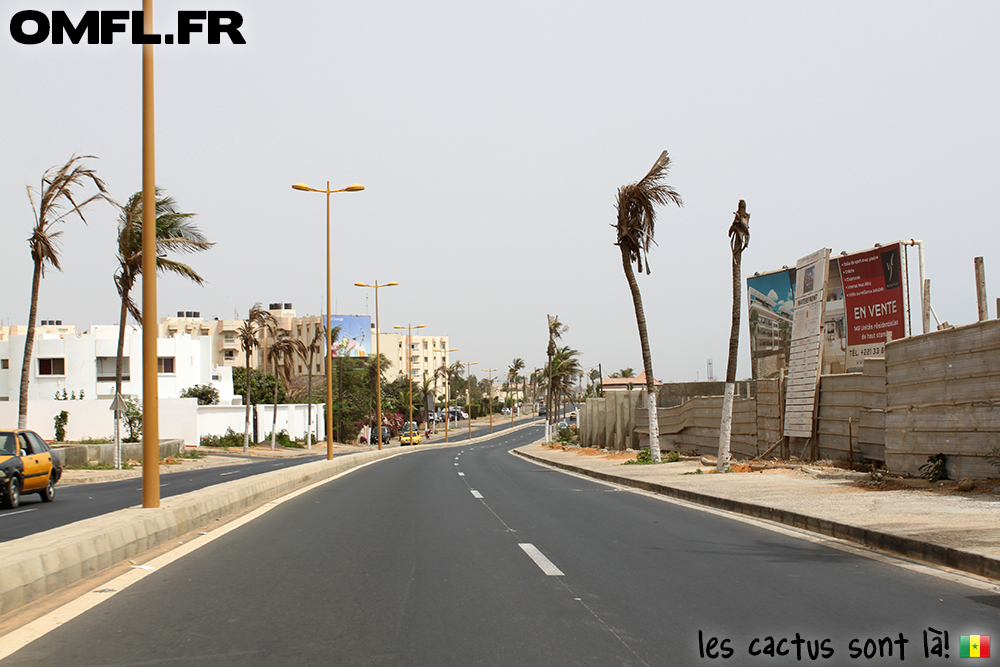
456 464
232 472
476 494
17 512
540 560
461 474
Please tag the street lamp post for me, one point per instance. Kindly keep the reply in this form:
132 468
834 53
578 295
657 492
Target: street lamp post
378 356
468 392
409 358
355 187
491 371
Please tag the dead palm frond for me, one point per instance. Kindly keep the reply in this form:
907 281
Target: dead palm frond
636 207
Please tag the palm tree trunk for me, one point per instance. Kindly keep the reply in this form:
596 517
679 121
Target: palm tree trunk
647 360
274 413
726 428
309 405
29 344
246 428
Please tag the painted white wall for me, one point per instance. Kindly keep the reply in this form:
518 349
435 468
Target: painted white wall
215 419
94 419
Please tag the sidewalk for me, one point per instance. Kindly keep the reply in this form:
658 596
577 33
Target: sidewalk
943 526
214 456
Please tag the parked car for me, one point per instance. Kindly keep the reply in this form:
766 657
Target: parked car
409 436
27 465
563 424
386 436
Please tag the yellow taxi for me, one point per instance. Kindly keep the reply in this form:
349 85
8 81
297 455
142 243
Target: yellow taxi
410 435
27 465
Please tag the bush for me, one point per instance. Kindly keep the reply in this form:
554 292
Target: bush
229 439
284 440
60 423
935 469
133 418
205 393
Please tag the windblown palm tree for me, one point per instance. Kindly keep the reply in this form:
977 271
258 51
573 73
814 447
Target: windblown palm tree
636 217
515 368
282 355
175 232
55 202
562 371
556 330
257 319
739 239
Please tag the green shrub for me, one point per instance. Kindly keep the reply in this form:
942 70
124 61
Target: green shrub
60 424
229 439
935 469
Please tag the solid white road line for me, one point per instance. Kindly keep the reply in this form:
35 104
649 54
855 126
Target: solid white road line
476 494
540 560
17 512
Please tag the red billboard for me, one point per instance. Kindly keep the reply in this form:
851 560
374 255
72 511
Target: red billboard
874 300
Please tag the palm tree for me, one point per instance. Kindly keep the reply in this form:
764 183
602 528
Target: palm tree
739 239
257 318
282 355
55 196
515 368
562 371
627 372
556 330
636 217
175 232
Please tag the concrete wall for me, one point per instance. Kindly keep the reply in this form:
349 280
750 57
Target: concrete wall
943 396
215 419
93 418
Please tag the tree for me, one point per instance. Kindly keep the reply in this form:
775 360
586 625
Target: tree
556 330
515 368
282 355
739 239
563 369
626 372
256 320
310 350
175 232
205 393
56 201
636 207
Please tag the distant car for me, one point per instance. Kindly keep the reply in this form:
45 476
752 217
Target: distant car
27 465
572 416
505 411
563 424
386 435
410 436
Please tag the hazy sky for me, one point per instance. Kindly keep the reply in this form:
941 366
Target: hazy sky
492 138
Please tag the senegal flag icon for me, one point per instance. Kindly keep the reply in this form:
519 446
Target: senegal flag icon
974 646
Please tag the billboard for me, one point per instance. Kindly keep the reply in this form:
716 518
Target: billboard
354 339
771 301
874 300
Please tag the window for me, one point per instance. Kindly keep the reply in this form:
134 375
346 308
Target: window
229 354
4 364
165 365
52 366
107 367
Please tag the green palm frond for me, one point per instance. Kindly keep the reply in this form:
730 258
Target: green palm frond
636 207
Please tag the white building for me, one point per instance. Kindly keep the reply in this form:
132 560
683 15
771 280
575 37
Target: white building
84 364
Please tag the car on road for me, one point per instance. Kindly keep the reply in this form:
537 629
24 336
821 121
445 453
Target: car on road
386 436
27 465
410 436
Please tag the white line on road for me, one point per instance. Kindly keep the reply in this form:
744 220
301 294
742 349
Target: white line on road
232 472
461 474
476 494
17 512
540 560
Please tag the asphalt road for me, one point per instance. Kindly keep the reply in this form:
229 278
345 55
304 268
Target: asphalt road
472 556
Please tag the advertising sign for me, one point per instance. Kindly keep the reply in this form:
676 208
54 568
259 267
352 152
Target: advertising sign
874 300
354 339
771 302
807 324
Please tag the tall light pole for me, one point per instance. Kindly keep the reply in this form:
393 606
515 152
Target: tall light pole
355 187
409 358
491 371
468 392
378 357
447 391
150 373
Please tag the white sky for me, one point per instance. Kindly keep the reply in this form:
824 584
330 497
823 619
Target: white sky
492 138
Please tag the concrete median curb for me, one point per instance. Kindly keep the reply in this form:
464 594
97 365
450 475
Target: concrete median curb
41 564
966 561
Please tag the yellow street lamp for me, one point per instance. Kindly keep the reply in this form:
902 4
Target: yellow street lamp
378 356
150 378
468 392
409 359
447 391
491 371
355 187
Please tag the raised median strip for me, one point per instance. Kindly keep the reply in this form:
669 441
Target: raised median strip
959 559
41 564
